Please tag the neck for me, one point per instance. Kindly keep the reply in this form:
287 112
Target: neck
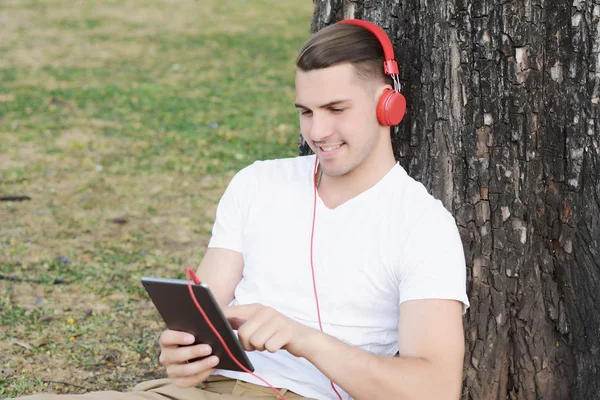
335 190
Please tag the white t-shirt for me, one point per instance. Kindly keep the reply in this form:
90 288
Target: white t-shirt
392 243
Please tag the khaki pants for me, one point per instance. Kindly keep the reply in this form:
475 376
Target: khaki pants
214 388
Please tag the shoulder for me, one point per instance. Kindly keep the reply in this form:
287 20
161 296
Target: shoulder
419 221
276 170
415 203
429 224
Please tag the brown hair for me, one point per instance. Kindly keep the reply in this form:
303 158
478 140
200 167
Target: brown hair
345 43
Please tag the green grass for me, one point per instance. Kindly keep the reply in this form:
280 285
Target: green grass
138 111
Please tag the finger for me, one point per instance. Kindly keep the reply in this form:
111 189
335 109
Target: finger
170 338
176 371
254 332
264 333
191 381
182 354
235 323
277 341
243 312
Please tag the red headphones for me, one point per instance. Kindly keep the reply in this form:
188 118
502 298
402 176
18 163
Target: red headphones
392 104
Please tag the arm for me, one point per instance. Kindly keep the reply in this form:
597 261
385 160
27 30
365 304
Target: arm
431 346
221 269
431 342
222 265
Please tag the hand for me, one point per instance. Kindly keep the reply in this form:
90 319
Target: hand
263 328
175 353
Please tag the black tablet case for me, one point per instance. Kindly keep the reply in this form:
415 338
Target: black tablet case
175 305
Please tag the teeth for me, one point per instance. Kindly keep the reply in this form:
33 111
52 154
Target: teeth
330 148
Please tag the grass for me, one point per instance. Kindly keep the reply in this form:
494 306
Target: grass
123 122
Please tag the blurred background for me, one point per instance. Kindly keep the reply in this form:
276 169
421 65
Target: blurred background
121 123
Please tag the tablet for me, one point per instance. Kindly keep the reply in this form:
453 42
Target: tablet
176 307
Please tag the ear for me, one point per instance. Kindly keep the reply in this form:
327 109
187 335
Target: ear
380 89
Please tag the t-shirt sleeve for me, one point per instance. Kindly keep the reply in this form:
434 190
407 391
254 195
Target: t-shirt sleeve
434 263
232 212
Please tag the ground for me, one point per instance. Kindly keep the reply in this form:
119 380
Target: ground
122 123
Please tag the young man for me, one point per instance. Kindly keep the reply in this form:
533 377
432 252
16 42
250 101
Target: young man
382 256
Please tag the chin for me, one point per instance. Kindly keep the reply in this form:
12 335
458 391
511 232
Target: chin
336 171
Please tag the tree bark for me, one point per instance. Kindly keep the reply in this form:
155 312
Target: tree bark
502 126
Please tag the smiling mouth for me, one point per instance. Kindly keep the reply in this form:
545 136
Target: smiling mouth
330 148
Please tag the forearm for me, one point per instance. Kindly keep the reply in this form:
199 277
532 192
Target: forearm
366 376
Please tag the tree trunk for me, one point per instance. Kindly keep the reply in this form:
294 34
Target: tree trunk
502 126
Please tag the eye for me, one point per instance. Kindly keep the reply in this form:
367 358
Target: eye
306 112
337 110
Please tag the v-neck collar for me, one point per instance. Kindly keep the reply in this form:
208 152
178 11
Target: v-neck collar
358 197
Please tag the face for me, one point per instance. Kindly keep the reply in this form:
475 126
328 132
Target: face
338 118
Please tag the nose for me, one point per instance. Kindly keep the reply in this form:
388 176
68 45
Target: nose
320 128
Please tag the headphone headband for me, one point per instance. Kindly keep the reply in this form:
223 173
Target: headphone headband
390 67
392 104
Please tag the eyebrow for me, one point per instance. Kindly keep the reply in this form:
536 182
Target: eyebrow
330 104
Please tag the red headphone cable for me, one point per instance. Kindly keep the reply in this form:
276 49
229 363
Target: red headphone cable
190 273
312 268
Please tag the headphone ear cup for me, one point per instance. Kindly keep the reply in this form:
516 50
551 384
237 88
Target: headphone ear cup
391 108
